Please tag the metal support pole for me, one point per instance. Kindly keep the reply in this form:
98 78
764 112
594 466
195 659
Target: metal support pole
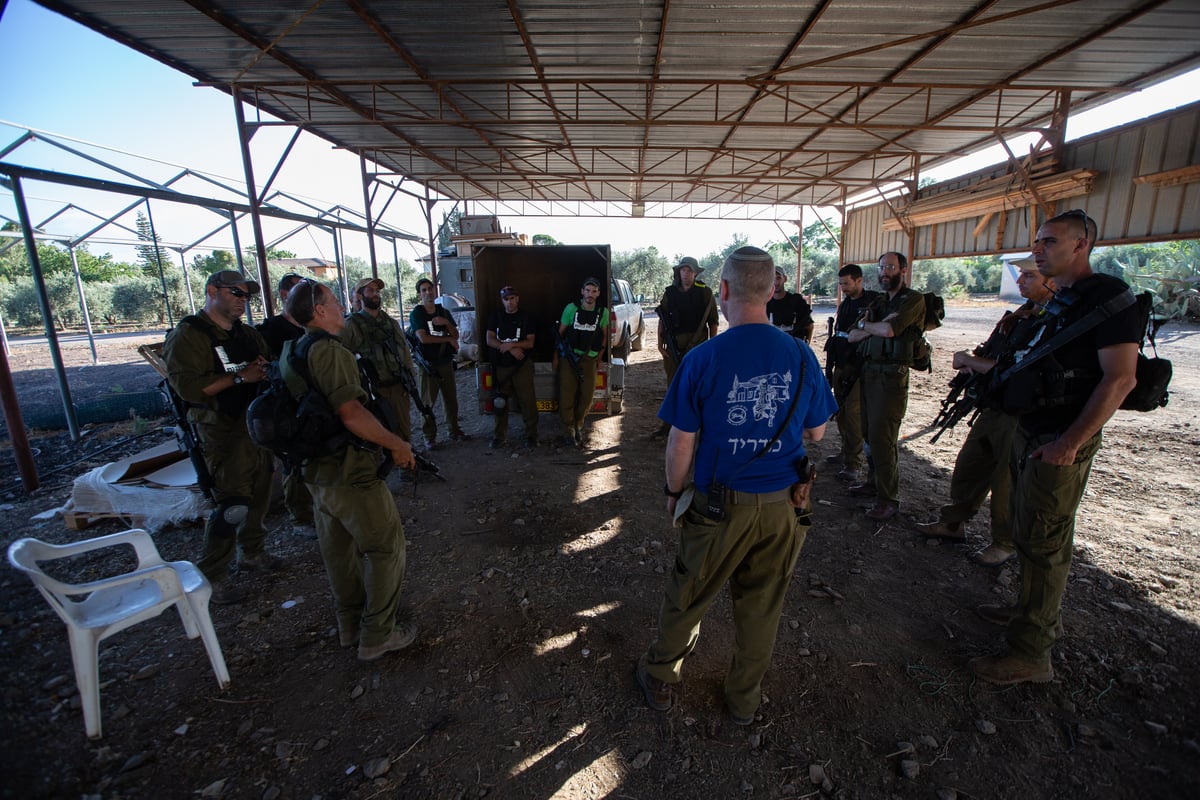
22 453
799 248
39 284
366 184
433 265
343 285
87 317
260 247
162 274
399 288
187 284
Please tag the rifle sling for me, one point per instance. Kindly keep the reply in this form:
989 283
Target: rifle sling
1073 331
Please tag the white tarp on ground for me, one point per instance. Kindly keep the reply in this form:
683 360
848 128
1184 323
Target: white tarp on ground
153 488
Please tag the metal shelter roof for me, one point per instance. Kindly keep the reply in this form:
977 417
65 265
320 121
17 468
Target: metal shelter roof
801 102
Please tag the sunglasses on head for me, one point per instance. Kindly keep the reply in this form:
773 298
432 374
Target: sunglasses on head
1084 218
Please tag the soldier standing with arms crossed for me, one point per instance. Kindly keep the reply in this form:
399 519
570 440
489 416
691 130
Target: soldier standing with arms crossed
888 340
511 335
847 366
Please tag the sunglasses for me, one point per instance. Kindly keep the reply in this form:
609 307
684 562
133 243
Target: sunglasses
1088 225
236 292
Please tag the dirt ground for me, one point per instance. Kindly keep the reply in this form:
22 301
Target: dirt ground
536 578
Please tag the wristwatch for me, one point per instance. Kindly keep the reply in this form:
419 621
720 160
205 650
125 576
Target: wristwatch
667 491
862 323
238 380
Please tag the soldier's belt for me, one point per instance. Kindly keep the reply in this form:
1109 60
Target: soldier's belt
736 498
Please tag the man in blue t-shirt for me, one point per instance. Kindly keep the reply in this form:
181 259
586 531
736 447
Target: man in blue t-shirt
740 408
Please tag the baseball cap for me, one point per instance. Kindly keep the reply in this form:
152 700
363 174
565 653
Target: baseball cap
779 271
1026 264
690 263
508 291
365 282
228 278
593 281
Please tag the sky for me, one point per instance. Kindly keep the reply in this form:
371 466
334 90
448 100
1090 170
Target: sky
110 95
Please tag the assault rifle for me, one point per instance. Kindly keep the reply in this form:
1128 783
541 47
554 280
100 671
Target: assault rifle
566 351
408 380
414 344
829 347
185 431
669 329
961 400
189 441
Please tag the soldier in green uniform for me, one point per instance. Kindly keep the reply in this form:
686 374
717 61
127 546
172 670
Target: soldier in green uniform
847 366
378 338
511 334
216 363
1081 383
583 327
278 330
358 526
982 463
434 328
888 340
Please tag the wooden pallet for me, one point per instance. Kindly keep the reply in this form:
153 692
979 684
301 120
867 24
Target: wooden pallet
82 520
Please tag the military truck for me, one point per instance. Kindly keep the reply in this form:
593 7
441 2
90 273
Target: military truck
547 277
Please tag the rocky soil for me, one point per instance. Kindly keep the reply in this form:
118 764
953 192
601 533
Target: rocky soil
536 577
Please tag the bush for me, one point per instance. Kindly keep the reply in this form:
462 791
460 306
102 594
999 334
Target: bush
21 308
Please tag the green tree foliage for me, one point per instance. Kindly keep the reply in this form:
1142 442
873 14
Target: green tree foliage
215 261
449 227
818 273
149 254
647 271
55 259
544 239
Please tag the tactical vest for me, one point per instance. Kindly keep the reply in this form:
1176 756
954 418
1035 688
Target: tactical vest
239 348
585 334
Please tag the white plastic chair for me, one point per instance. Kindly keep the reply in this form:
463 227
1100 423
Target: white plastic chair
96 610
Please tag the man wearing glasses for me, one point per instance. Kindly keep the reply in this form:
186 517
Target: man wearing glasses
216 364
888 337
1056 441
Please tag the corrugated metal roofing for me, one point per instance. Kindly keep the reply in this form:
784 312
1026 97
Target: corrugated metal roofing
671 101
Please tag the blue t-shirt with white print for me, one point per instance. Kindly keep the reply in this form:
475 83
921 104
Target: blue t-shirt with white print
736 390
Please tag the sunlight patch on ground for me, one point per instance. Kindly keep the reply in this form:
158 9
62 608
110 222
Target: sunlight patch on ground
553 643
573 732
592 539
598 610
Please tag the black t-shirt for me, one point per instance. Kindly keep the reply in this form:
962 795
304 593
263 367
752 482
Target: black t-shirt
277 330
1081 355
791 313
509 328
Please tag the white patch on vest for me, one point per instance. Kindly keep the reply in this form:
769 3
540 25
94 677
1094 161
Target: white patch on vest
228 365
